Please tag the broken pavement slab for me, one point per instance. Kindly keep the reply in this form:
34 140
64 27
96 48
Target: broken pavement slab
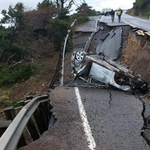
80 40
140 32
110 48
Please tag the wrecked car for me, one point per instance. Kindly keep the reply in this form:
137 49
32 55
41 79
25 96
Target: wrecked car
100 71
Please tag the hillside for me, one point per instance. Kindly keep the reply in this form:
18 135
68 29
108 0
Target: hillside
36 84
30 47
140 8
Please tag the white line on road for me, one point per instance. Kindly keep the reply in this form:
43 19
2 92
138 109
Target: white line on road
86 126
130 24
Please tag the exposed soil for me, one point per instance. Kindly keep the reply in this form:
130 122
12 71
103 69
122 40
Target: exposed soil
137 56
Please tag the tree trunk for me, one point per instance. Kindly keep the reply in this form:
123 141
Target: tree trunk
2 55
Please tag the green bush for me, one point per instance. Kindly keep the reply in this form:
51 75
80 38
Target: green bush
69 48
9 76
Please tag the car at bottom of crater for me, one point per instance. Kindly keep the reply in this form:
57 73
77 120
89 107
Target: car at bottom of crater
100 71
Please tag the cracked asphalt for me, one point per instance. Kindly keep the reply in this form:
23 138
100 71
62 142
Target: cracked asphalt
115 119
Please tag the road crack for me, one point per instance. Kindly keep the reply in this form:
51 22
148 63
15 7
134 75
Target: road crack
110 97
144 120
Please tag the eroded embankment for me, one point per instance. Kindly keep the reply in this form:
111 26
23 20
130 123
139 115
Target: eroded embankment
137 55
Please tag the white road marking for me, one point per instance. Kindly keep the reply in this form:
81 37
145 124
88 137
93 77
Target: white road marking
86 126
130 24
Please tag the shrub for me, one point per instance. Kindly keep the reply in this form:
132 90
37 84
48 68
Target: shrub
12 103
9 76
145 14
69 48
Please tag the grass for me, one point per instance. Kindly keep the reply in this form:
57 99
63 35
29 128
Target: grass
12 103
4 94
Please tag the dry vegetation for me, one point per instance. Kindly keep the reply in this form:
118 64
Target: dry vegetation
137 56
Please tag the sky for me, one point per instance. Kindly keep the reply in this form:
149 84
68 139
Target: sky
98 5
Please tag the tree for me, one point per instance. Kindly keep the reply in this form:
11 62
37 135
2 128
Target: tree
61 4
57 31
14 17
85 9
64 3
140 4
29 36
28 30
63 14
45 4
38 19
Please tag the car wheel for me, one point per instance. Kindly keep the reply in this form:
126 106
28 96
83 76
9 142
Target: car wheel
80 56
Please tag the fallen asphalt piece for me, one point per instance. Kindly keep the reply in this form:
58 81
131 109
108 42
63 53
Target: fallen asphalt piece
110 48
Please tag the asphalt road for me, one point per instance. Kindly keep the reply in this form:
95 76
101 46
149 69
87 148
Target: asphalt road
115 119
136 22
93 119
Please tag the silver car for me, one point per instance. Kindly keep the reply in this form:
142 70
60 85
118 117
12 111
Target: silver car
98 70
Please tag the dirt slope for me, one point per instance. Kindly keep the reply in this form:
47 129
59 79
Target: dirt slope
137 56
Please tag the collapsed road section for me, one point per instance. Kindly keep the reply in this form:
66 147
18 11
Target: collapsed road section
100 66
96 68
94 118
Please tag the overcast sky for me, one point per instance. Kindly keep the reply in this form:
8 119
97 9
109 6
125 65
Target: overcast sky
115 4
96 4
